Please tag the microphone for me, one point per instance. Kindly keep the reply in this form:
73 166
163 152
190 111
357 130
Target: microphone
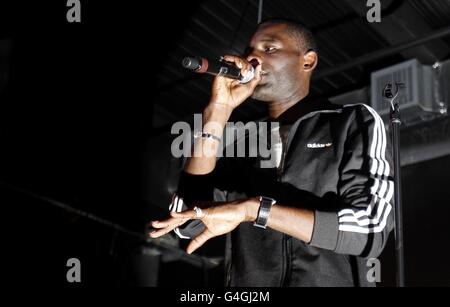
217 68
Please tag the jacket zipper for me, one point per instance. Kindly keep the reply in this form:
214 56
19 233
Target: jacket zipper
286 241
285 262
283 157
287 275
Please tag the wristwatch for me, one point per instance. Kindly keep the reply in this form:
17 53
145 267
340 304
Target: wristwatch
265 204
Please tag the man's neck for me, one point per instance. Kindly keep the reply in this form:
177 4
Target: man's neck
278 109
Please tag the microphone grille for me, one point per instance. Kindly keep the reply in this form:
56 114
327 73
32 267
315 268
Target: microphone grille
191 63
249 77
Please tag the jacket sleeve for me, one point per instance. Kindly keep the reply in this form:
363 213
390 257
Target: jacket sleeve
195 189
362 223
191 188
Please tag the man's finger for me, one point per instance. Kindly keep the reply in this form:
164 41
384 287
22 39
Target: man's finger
165 223
188 214
163 231
238 61
257 77
199 241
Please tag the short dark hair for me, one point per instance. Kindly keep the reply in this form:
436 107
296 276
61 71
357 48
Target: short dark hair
301 33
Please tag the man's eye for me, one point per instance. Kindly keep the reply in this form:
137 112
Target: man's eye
270 49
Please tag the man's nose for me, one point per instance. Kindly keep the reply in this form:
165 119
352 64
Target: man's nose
254 59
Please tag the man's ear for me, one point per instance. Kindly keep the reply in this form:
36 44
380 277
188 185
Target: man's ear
310 60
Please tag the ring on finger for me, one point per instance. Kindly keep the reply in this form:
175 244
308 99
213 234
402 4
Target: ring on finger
198 212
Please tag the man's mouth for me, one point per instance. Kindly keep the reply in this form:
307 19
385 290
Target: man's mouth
263 75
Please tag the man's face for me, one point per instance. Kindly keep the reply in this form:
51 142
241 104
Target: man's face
279 53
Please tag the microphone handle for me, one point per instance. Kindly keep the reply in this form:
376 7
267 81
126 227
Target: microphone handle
216 68
221 68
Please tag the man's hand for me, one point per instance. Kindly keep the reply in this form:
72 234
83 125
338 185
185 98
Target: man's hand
230 93
219 219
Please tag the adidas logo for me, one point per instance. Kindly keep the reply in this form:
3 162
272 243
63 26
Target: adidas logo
318 145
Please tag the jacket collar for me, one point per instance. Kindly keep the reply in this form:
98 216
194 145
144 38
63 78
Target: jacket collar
304 107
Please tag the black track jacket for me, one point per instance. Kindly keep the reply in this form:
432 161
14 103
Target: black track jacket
337 163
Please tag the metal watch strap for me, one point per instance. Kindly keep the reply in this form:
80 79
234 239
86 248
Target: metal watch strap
265 204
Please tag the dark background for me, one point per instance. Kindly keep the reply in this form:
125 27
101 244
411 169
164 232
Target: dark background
85 111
